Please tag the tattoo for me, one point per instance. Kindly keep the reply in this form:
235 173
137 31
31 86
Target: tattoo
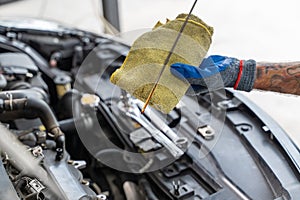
268 68
273 67
294 71
280 77
259 73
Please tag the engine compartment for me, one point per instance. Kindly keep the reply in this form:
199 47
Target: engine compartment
68 133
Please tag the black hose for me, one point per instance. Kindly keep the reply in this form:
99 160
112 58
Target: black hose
43 111
33 92
20 107
31 105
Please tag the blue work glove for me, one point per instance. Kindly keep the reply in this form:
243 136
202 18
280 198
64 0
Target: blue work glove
216 72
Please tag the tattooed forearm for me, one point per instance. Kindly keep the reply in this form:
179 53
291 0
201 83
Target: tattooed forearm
279 77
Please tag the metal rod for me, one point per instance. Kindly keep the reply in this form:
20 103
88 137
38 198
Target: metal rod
168 58
111 12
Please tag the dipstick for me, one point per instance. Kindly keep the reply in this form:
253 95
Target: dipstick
168 59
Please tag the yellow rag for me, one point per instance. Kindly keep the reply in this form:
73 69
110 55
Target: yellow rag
147 55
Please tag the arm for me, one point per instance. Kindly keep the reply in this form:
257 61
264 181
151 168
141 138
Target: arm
278 77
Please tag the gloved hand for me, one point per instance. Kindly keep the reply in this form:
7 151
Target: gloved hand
216 72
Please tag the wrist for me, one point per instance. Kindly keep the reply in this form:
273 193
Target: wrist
246 76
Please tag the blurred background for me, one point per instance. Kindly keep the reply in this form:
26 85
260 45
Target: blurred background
264 30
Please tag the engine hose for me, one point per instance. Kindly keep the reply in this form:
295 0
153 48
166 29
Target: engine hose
34 92
18 85
20 107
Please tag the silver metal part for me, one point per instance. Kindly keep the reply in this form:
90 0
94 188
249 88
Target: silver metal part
176 186
134 113
78 164
143 140
36 185
102 197
10 98
206 132
181 189
229 104
125 98
265 129
181 142
37 151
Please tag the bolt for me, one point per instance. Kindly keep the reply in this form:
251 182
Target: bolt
101 197
176 186
70 162
85 182
59 154
206 132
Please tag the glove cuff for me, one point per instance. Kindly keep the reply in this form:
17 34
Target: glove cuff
248 76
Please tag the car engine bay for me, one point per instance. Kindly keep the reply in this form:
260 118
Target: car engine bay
68 133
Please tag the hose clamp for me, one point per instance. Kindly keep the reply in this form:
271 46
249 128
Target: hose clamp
10 98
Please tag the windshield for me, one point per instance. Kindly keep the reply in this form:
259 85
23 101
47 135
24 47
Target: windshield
262 30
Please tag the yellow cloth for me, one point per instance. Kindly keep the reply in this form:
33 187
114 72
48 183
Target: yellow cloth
147 55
